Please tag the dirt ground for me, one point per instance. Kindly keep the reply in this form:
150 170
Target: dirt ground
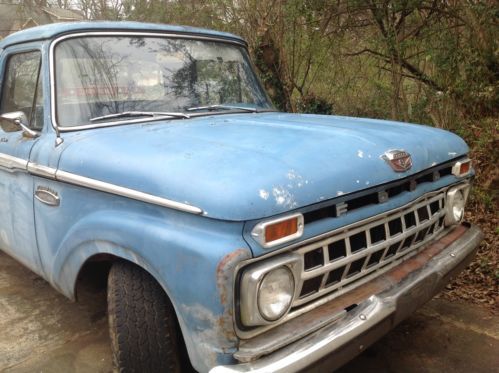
41 331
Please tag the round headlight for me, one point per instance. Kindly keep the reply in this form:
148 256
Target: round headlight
275 293
455 207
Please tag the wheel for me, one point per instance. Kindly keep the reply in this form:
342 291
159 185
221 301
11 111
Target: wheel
142 322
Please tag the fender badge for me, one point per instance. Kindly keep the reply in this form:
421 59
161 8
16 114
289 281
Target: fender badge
399 160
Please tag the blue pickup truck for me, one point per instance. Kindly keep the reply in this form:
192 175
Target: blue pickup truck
234 237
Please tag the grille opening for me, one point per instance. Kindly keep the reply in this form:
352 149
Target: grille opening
355 267
441 221
395 226
421 235
335 276
326 212
407 242
410 220
396 190
311 286
337 250
423 213
313 259
358 242
392 250
362 201
378 234
445 171
428 178
351 307
435 227
434 207
375 258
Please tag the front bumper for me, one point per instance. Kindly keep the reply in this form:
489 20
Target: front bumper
413 283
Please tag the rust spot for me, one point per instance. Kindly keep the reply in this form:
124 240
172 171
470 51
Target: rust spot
225 272
225 280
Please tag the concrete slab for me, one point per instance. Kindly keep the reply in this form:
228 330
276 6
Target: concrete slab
41 331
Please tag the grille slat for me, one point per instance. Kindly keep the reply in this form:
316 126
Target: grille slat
355 254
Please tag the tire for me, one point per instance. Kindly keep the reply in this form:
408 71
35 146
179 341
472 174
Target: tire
142 322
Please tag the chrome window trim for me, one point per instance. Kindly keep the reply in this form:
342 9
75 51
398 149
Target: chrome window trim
56 41
12 164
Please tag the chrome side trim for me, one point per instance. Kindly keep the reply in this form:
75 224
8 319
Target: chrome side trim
54 43
86 182
43 171
14 164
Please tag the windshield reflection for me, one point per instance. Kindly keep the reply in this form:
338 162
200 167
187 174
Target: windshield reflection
102 75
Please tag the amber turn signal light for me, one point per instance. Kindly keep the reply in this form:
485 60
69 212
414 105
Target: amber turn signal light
282 229
275 232
462 168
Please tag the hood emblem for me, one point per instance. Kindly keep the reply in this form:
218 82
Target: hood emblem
399 160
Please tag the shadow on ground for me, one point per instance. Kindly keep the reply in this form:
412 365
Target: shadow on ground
41 331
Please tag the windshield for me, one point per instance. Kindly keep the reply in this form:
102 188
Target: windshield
103 75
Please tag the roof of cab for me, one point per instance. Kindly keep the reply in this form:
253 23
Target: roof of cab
55 29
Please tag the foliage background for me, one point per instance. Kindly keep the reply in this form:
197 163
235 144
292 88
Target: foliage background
426 61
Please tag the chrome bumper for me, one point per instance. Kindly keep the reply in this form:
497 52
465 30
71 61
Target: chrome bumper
337 343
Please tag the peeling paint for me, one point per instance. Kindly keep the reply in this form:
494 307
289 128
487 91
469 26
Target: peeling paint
292 175
360 154
434 163
283 197
357 181
340 193
452 154
263 194
367 183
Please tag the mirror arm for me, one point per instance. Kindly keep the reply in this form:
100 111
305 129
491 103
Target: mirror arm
31 133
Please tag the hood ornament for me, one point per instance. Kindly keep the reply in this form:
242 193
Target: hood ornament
399 160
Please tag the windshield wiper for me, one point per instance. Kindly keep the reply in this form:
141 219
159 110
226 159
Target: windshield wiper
131 114
223 107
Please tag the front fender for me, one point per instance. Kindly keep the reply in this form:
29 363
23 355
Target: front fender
193 258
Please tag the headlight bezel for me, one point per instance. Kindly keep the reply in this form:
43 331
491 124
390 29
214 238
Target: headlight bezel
250 283
453 195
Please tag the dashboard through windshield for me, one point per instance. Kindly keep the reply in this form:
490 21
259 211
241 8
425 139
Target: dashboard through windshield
105 76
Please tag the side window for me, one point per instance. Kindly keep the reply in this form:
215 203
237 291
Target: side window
22 90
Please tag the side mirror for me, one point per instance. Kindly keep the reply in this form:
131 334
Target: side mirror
16 121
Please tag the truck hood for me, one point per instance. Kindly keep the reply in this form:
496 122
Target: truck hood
250 166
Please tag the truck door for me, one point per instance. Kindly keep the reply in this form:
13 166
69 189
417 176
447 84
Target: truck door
21 90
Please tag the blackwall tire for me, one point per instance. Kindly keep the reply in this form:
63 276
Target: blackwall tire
142 323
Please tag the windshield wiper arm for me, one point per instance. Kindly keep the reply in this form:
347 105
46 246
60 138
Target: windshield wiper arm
130 114
226 107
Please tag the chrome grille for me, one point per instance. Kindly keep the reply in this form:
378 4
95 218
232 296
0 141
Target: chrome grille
355 254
